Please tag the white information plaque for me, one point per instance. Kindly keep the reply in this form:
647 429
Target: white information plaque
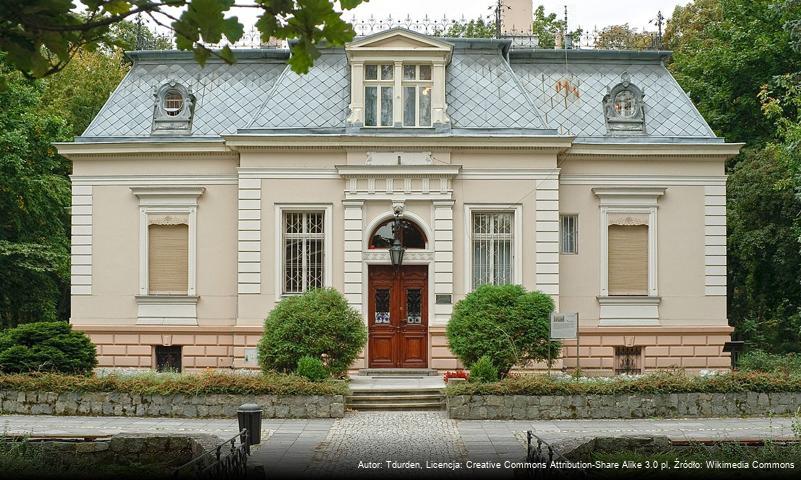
564 325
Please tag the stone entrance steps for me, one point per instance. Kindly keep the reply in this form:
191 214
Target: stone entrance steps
396 399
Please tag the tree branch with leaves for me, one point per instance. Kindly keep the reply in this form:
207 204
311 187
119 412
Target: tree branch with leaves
40 37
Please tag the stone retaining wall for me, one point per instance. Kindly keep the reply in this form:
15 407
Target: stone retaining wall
179 405
530 407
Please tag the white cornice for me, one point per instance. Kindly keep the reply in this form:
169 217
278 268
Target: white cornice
628 196
79 149
547 143
278 172
632 150
641 180
154 180
395 171
509 173
162 195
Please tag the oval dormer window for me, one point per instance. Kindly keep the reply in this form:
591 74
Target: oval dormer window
173 102
625 104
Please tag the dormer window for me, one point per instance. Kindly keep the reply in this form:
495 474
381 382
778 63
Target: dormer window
173 109
624 108
624 104
398 81
379 84
173 102
417 87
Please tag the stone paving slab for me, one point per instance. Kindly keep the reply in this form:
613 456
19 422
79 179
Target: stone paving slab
334 447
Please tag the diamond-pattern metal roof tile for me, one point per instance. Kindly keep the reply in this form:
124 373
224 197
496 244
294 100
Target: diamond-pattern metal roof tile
668 110
482 92
318 99
227 97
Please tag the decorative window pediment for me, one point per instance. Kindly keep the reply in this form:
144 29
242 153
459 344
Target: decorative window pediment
624 108
398 80
173 109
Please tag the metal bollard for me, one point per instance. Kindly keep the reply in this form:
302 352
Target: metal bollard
249 416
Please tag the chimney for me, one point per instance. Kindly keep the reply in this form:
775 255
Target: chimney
517 17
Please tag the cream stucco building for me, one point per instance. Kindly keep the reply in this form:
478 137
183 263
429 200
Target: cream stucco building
203 195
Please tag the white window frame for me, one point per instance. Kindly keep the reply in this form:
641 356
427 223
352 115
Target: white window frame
161 309
380 83
158 200
327 210
418 85
517 239
575 235
633 201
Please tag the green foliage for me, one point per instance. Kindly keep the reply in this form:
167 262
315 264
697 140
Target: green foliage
78 92
42 36
483 371
739 60
152 383
764 256
318 323
761 361
46 347
477 28
34 201
504 322
312 368
129 36
724 51
661 382
547 27
623 37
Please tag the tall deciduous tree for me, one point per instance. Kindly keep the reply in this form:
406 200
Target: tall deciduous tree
623 37
79 91
724 51
739 60
34 202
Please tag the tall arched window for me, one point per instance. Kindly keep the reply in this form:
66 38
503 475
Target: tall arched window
411 235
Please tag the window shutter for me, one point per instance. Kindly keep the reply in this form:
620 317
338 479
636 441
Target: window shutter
168 259
628 260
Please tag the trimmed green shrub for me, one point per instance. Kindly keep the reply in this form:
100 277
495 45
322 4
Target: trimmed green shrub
154 383
483 371
761 361
312 368
659 382
320 324
504 322
46 347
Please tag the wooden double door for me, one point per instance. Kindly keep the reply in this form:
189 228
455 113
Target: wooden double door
398 316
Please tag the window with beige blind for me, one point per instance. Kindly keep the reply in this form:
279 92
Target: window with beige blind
168 259
628 260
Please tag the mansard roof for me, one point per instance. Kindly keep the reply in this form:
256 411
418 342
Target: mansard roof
491 88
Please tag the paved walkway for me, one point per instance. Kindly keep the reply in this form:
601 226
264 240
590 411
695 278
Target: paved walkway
324 446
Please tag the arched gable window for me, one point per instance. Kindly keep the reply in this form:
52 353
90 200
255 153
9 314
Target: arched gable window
411 235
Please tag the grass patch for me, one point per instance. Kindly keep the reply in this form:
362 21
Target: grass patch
758 360
152 383
661 382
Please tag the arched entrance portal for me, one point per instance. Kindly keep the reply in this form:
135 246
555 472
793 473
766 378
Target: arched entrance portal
398 303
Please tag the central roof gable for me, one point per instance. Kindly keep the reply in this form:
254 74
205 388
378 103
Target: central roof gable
398 41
